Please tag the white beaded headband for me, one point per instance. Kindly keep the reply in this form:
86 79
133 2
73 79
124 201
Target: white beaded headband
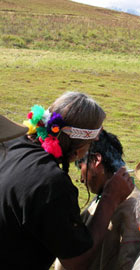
78 133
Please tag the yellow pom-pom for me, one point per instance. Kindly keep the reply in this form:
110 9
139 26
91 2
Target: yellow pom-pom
32 129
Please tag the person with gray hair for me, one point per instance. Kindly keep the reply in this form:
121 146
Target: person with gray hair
39 212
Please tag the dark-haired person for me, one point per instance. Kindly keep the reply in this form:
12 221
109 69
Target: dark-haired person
39 212
121 244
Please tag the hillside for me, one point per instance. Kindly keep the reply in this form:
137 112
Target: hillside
63 24
65 7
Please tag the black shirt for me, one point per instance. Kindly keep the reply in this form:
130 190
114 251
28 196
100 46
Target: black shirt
39 213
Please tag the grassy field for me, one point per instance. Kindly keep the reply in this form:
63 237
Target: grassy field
50 47
28 77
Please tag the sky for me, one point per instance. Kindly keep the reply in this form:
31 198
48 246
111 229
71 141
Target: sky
124 5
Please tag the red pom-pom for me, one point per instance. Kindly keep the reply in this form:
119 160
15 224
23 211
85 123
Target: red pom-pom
30 115
40 123
51 145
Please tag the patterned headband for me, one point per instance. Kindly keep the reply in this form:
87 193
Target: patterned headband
48 127
84 134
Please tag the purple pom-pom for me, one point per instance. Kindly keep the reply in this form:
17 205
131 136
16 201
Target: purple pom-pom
56 119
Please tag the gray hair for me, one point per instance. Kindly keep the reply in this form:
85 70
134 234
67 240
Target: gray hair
78 110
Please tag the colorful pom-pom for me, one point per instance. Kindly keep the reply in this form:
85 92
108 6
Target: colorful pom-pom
55 129
30 115
38 112
42 132
46 117
32 128
47 127
51 145
55 121
40 124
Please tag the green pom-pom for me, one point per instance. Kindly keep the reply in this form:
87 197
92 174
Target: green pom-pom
42 132
38 112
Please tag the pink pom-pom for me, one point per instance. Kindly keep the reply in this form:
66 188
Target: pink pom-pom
51 145
30 115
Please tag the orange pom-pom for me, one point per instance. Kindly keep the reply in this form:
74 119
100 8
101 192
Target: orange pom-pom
55 129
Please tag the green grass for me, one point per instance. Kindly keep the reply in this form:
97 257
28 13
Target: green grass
29 77
50 47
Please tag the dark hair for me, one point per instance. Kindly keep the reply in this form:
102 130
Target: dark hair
111 150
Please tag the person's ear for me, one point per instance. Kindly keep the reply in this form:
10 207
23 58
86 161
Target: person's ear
97 159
